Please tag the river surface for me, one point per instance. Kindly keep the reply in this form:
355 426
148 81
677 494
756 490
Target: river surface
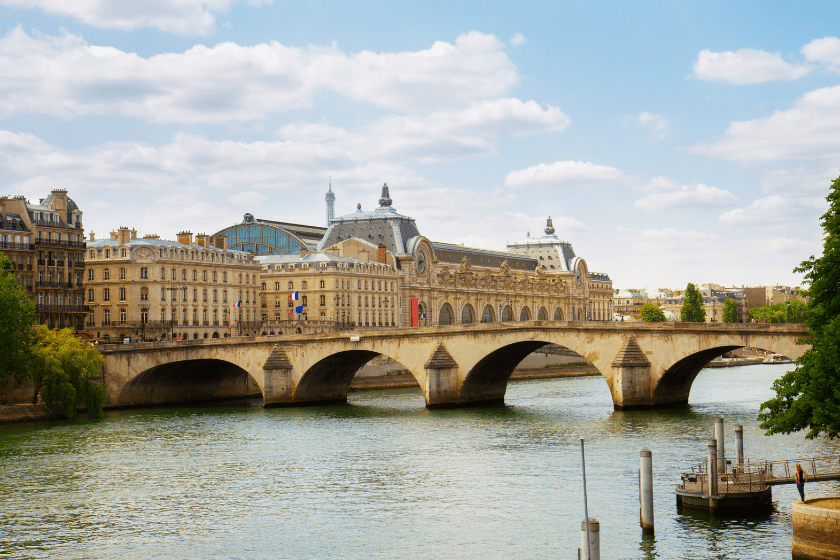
385 478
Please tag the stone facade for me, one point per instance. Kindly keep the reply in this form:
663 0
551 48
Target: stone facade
332 289
46 242
150 288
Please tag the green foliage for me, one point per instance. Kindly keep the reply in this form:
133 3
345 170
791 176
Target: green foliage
62 366
730 312
649 313
792 311
17 315
809 396
692 310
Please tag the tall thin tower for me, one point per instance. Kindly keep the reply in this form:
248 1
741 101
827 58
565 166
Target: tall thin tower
330 198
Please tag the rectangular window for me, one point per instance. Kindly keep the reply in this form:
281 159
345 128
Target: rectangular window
303 285
214 276
291 285
106 294
122 274
163 274
304 300
122 294
323 300
224 277
106 274
277 285
224 296
90 274
144 273
90 295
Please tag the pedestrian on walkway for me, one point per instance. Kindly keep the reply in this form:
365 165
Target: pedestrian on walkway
801 478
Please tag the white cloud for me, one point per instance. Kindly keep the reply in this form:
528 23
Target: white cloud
811 130
686 197
812 179
565 174
517 39
248 198
65 76
657 125
774 211
746 66
825 50
181 17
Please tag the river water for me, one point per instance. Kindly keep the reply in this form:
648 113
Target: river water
385 478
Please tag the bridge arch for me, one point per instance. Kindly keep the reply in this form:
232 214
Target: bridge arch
189 381
328 379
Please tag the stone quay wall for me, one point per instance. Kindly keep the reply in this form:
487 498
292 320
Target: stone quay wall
816 528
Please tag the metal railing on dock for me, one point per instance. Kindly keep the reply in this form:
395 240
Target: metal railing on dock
754 475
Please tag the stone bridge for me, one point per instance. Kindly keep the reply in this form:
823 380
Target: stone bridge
646 365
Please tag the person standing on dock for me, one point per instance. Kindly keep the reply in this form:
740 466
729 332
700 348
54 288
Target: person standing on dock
801 477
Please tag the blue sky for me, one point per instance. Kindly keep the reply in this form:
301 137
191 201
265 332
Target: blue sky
670 142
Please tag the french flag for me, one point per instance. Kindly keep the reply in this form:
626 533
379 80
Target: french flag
238 304
294 296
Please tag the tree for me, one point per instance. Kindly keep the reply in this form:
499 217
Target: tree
692 310
649 313
730 312
62 366
792 311
17 315
809 396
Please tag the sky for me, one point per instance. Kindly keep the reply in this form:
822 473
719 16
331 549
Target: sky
670 142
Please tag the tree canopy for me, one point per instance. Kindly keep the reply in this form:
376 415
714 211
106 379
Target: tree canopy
692 310
809 396
792 311
649 313
730 312
17 314
61 366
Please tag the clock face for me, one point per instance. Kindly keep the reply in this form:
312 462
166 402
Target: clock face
421 262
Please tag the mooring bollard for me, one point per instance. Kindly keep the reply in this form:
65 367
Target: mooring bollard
646 491
721 455
739 443
594 540
712 467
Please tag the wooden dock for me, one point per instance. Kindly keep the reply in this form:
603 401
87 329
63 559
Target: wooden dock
747 485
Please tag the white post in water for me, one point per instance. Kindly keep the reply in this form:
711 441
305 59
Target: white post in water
646 491
721 455
593 543
712 467
587 549
739 443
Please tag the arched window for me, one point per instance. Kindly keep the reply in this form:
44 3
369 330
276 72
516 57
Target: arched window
467 315
525 314
487 314
542 315
445 316
558 315
507 314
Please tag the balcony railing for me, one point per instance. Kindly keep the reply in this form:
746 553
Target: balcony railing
14 245
56 284
79 264
58 242
71 307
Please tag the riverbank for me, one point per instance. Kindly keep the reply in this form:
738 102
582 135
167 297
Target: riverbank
13 413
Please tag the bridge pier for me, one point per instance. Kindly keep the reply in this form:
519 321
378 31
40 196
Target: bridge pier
631 377
277 385
441 388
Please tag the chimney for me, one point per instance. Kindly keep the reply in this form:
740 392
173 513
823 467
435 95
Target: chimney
303 252
122 235
59 203
92 236
185 237
133 235
151 236
381 256
201 239
113 235
219 242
